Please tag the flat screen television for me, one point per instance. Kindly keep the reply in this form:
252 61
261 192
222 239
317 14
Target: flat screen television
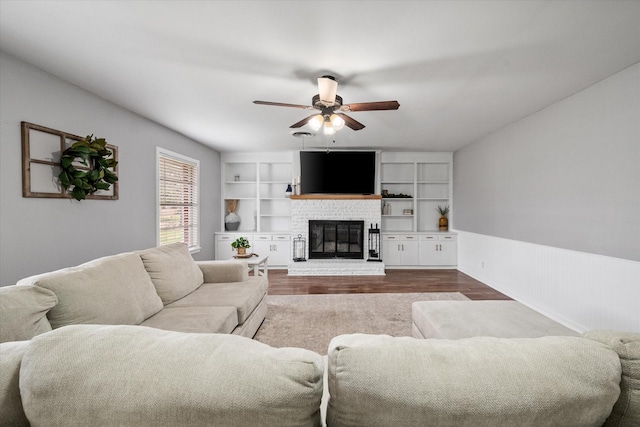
337 172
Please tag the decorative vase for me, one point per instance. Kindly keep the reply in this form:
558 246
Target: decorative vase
288 191
232 220
443 223
242 251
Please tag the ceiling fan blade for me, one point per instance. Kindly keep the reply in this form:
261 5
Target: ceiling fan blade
303 122
280 104
353 124
371 106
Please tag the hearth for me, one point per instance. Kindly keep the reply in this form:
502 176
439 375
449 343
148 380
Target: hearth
336 239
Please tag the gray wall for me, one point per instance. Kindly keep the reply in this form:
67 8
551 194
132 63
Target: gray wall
39 235
567 176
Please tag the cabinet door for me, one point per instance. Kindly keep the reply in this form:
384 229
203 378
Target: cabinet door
223 246
400 249
448 253
410 251
261 245
427 250
391 250
438 250
280 254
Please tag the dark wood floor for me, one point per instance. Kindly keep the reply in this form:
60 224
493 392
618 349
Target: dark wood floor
395 281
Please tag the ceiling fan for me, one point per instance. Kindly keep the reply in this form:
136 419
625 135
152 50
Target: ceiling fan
331 117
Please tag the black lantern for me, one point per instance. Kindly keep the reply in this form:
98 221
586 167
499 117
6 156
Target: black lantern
374 244
299 248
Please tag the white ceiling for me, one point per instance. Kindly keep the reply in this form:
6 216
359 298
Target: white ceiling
459 69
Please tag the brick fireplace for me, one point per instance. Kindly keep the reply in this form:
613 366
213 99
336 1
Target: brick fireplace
339 207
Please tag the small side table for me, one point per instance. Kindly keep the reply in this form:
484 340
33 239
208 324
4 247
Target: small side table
259 264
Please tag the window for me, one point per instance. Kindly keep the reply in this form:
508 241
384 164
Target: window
178 210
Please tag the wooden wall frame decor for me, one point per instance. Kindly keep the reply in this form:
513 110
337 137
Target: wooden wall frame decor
41 150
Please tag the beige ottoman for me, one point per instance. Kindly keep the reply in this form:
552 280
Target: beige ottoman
466 319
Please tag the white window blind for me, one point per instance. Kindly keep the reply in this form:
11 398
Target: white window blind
178 210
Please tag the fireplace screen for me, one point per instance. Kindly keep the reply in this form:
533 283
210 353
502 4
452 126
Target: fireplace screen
336 239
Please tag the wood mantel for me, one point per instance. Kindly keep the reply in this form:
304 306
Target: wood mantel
336 197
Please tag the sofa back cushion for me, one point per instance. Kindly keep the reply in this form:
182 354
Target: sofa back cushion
112 290
551 381
23 312
137 376
172 270
626 411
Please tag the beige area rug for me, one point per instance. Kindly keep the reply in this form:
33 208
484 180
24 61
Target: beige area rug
310 321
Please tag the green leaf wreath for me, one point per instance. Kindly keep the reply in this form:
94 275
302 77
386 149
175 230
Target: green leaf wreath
98 175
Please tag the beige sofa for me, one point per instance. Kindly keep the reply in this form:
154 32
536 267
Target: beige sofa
105 375
132 374
161 287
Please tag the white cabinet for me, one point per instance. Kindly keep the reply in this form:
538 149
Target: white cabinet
223 245
413 185
400 249
420 250
438 250
277 247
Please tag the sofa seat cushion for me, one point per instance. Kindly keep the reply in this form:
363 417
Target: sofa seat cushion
379 380
11 412
173 271
112 290
212 320
245 296
23 312
89 375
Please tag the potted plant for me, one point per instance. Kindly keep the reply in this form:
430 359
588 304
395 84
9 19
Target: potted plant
240 245
443 223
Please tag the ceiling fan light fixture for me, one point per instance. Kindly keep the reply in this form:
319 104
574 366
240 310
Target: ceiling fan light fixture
337 122
328 89
316 122
328 128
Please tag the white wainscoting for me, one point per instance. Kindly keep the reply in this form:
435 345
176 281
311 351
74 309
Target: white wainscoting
580 290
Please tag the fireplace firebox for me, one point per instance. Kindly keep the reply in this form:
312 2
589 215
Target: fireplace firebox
336 239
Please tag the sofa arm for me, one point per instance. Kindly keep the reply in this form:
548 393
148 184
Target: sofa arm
626 411
11 412
224 271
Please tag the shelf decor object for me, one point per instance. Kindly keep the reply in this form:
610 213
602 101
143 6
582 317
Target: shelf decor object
232 220
54 162
299 248
443 222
